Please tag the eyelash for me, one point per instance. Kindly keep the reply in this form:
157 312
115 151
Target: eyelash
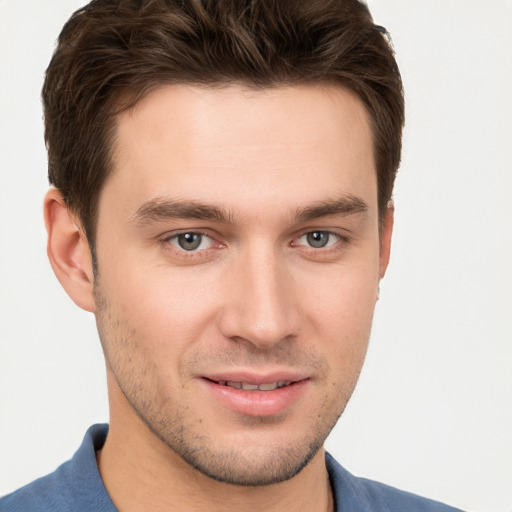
329 243
168 245
332 247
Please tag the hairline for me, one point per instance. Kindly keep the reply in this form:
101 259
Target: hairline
128 100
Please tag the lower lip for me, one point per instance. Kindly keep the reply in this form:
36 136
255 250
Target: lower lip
258 403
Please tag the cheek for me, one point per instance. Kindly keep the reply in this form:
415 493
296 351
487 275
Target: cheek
163 307
345 297
340 316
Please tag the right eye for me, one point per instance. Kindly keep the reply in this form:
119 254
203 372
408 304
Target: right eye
191 241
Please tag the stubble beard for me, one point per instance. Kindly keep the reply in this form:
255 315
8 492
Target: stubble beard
181 429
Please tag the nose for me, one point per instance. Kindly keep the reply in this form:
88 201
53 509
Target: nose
260 306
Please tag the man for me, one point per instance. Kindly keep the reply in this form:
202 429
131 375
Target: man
222 178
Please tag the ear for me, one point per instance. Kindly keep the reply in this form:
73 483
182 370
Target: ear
68 251
385 238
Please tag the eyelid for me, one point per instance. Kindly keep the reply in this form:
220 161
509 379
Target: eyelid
177 232
329 242
343 238
167 244
173 239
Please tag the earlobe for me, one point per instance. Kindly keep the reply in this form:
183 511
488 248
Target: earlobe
68 251
385 239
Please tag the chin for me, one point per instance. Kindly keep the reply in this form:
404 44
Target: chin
252 467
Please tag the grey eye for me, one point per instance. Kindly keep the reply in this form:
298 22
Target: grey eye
318 239
189 241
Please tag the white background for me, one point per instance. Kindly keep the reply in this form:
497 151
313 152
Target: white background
433 411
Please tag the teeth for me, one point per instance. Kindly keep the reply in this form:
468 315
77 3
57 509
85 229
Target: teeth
268 386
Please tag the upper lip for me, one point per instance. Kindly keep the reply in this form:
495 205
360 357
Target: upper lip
251 377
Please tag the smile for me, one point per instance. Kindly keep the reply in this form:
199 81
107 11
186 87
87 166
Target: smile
257 396
246 386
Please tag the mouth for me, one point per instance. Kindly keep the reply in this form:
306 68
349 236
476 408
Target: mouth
247 386
261 396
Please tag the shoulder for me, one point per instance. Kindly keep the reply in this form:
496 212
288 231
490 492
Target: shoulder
75 485
52 492
360 494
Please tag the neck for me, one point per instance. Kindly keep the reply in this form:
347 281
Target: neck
141 472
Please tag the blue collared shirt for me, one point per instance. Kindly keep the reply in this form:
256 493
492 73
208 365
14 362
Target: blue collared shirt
77 486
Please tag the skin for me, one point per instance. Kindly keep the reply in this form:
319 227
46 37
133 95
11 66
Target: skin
255 300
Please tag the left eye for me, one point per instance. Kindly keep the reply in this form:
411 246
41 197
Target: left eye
318 239
191 241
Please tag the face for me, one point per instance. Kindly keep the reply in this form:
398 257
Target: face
238 265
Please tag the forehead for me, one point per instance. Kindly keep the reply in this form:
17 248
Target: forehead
236 144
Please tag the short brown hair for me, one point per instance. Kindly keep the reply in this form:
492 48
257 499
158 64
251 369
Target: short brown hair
115 49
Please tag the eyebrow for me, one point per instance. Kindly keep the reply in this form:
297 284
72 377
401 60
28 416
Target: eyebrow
345 205
162 209
159 209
